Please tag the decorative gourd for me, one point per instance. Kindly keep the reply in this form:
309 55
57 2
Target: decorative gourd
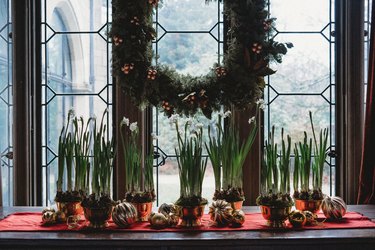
166 209
238 218
221 212
333 207
311 218
124 214
49 217
297 218
172 220
158 221
60 217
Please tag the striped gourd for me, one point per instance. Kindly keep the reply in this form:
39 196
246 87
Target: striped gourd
333 207
124 214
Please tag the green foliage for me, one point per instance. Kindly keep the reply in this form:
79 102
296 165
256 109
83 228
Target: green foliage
82 137
74 151
191 165
103 155
320 152
228 153
241 79
307 166
275 174
136 191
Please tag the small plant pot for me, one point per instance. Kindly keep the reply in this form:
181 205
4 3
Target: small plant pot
143 210
70 208
98 217
275 216
236 205
308 205
190 216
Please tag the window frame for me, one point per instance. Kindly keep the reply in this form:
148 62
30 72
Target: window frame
26 19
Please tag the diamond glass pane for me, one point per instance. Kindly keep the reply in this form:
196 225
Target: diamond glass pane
190 38
192 54
301 15
6 120
192 15
305 80
76 72
306 67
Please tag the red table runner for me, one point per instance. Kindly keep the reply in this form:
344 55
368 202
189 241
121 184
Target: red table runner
28 222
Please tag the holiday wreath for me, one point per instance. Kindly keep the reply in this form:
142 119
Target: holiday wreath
237 81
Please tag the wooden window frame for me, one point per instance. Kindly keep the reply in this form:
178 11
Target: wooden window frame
26 18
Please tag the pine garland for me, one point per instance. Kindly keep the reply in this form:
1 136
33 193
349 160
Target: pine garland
238 81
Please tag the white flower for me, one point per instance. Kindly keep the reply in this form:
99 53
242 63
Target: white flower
189 122
71 113
173 119
125 121
154 136
227 114
133 126
181 132
252 120
193 136
221 113
261 104
199 125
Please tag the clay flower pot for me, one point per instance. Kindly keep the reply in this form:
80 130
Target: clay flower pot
275 216
190 216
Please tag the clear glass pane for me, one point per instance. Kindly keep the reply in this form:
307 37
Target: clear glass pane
189 53
169 182
292 114
192 48
305 80
83 15
300 15
76 73
6 98
188 15
306 67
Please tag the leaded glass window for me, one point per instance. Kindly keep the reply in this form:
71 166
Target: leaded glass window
76 72
305 80
6 103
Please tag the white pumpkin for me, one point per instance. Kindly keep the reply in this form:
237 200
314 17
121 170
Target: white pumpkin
124 214
333 207
220 212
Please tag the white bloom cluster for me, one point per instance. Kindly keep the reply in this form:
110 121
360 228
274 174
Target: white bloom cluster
71 113
252 120
261 104
125 121
133 126
173 119
225 114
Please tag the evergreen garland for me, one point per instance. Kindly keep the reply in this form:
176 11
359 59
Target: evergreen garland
238 81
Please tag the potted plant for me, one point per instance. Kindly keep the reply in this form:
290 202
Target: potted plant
99 204
306 198
73 158
228 154
275 201
191 166
139 183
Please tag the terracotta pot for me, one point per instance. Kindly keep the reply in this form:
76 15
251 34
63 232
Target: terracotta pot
236 205
309 205
190 216
275 216
70 208
143 210
98 217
